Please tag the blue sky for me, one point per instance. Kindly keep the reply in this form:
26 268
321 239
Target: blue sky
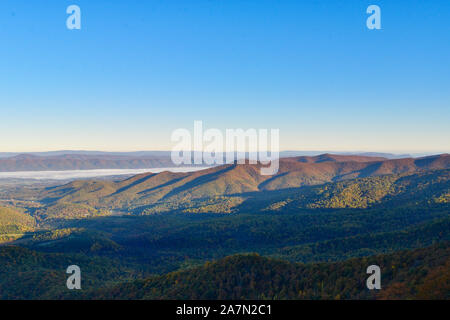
137 70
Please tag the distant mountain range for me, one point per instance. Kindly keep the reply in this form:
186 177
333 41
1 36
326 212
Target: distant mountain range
31 162
283 154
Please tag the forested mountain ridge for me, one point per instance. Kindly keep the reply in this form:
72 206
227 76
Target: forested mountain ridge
410 274
426 187
226 180
418 274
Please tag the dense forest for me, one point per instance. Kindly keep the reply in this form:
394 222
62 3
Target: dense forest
421 274
413 274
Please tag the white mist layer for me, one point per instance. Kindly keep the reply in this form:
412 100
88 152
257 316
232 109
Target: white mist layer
81 174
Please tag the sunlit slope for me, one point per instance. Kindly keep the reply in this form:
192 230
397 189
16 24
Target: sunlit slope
14 221
428 187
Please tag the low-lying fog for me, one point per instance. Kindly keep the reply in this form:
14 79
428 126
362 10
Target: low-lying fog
82 174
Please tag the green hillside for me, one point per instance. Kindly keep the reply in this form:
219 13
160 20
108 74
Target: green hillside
67 211
388 190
